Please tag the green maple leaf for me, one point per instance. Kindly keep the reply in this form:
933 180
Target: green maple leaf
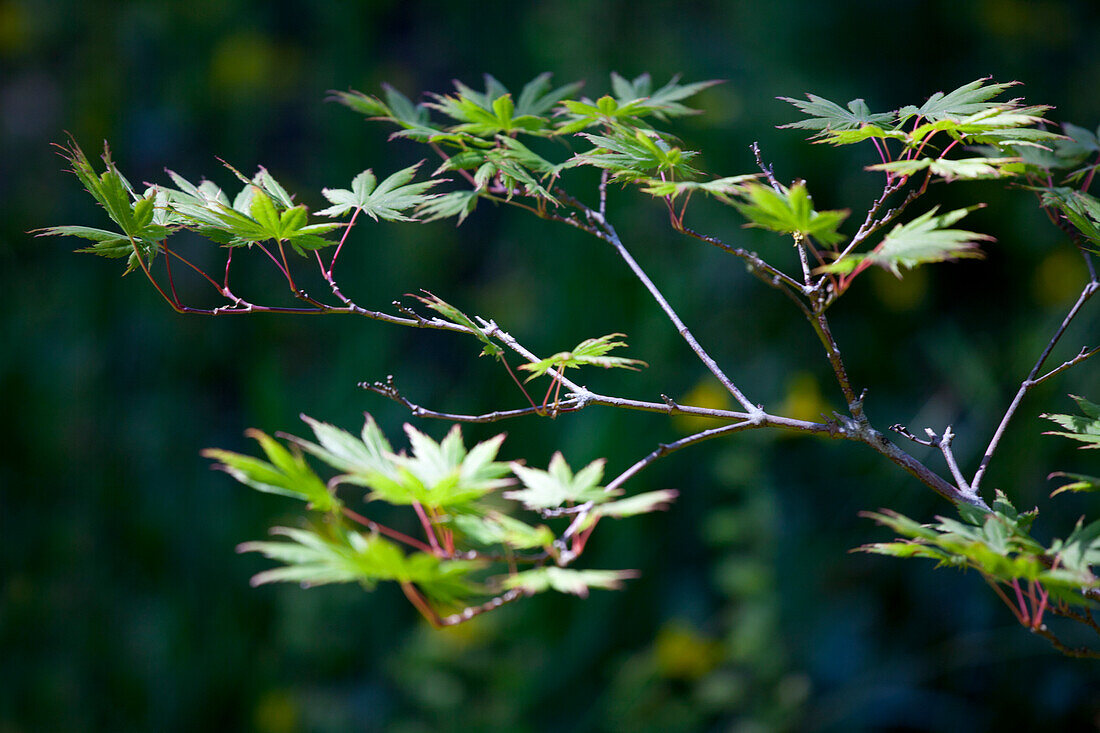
1084 428
650 501
263 210
1080 209
951 169
720 188
440 475
386 200
590 352
358 458
967 100
454 315
789 211
458 204
489 114
1078 482
926 239
312 558
558 485
566 580
284 472
635 154
639 97
633 100
538 96
495 528
824 115
142 219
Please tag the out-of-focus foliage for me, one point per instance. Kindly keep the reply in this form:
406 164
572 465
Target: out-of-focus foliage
753 617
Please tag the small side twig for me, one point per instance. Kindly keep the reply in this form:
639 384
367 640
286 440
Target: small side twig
943 442
612 238
769 171
1031 380
389 389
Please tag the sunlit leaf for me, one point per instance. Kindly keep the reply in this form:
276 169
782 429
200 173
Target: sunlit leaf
386 200
967 100
142 230
284 472
1078 482
650 501
928 238
456 203
824 115
454 315
1084 428
558 485
721 188
949 169
635 154
440 475
345 556
789 211
566 580
495 528
590 352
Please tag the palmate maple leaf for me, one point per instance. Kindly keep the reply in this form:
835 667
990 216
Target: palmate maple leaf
387 200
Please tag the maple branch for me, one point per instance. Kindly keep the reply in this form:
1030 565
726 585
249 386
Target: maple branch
943 442
1031 380
612 238
663 449
389 389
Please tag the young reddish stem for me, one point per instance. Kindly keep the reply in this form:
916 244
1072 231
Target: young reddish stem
1000 594
427 525
198 269
340 246
883 153
228 262
383 529
1088 178
273 258
145 268
421 604
171 281
1025 619
286 267
518 383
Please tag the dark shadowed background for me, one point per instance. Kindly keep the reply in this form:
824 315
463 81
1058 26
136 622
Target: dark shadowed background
122 603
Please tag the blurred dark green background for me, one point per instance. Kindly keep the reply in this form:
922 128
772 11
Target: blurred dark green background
122 603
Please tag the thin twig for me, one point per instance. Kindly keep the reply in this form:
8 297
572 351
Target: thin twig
612 238
871 224
769 171
665 448
603 192
767 273
388 389
1081 652
943 442
1084 354
340 246
1030 381
491 605
820 325
1063 609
